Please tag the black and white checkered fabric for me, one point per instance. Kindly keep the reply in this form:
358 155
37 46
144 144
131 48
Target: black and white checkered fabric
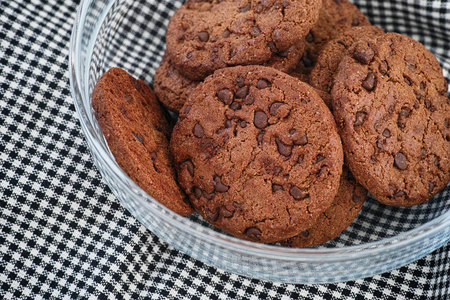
64 235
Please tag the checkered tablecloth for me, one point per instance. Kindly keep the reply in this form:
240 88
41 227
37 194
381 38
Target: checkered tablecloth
64 235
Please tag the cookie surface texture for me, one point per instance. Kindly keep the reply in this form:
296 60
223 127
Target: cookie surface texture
322 75
391 107
335 17
203 36
136 131
171 87
250 152
345 208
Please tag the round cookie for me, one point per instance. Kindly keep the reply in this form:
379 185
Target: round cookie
203 36
251 153
171 87
344 209
335 17
137 132
393 114
322 75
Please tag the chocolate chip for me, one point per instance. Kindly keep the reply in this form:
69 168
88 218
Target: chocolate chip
260 137
283 149
297 193
380 145
292 131
189 55
211 216
262 84
447 123
219 186
260 119
187 109
272 47
277 187
227 211
386 133
274 108
430 187
399 194
203 36
189 166
138 138
363 54
242 92
208 196
302 141
197 192
228 124
405 112
245 8
300 159
255 31
240 81
305 233
319 158
429 106
243 124
310 37
226 96
198 131
226 33
400 161
360 118
383 68
369 82
235 106
253 233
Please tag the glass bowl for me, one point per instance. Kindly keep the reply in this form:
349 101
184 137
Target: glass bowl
130 35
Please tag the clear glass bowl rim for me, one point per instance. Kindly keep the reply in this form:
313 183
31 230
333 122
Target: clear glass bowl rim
347 253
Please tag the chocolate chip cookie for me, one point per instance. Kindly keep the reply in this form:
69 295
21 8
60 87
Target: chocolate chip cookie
393 113
251 153
203 36
137 133
335 17
322 75
344 209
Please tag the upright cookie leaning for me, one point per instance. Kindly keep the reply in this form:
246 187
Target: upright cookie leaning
137 134
251 153
391 107
203 36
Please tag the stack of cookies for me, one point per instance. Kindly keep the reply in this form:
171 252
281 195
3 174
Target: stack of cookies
289 113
